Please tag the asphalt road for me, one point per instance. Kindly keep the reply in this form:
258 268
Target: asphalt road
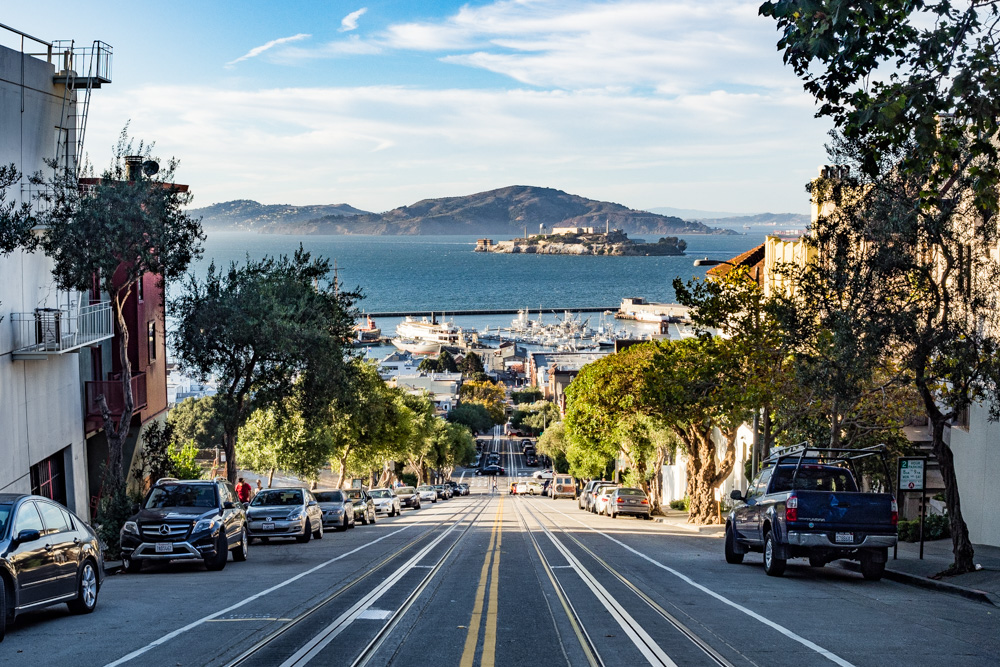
501 580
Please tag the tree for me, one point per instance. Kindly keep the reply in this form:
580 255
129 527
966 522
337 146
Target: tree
125 226
526 395
490 395
422 421
555 444
197 420
471 365
15 221
260 328
535 416
474 416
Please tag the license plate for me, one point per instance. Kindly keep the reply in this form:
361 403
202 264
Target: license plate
267 526
164 548
845 538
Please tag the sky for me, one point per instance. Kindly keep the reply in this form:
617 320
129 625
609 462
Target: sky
381 103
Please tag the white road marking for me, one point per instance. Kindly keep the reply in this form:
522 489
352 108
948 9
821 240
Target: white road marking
190 626
829 655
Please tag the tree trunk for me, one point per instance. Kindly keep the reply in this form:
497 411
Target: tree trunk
229 448
270 477
835 424
961 544
706 472
343 470
656 481
117 434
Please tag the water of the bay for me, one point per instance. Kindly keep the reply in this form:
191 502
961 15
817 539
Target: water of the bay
443 273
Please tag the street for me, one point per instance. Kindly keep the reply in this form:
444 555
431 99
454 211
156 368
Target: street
494 579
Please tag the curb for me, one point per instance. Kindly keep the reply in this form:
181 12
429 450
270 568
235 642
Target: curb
112 567
931 584
688 526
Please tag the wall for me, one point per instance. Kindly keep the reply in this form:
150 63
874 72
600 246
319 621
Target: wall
977 465
675 475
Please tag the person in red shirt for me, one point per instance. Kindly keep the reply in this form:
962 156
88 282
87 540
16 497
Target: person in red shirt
242 490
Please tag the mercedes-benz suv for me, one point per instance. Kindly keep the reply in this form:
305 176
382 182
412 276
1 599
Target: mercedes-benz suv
187 520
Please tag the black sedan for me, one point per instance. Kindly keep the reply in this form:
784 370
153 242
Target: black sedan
48 555
491 470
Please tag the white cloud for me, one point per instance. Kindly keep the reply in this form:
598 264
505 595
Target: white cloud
257 50
350 22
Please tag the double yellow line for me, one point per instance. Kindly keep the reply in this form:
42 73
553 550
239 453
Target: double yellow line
490 637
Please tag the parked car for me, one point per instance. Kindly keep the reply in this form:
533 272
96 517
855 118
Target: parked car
386 501
338 510
534 487
563 486
464 489
805 503
444 492
364 506
292 512
628 500
491 470
408 497
590 503
48 556
187 520
521 488
543 474
581 500
602 499
427 493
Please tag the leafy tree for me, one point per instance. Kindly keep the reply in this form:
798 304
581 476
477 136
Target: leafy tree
278 437
125 226
447 361
15 221
451 445
555 444
429 365
474 416
260 328
196 420
490 395
527 395
535 416
422 421
471 365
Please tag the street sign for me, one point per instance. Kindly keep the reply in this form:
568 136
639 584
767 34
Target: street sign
911 474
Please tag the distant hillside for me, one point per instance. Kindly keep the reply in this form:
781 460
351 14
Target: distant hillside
504 211
692 213
247 214
766 221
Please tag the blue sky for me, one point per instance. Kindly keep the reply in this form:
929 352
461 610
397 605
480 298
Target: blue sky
647 103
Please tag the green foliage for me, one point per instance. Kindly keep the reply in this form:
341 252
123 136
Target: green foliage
471 365
162 456
936 527
490 395
15 221
535 416
183 459
278 437
408 479
475 416
680 505
526 395
443 363
197 420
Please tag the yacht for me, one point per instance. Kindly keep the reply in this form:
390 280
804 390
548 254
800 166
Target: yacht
426 336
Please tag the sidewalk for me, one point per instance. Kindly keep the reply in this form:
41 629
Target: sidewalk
983 585
679 519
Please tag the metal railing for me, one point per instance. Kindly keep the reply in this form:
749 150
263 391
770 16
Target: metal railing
92 61
114 394
49 331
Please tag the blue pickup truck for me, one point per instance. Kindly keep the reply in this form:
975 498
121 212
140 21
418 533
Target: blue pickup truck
805 503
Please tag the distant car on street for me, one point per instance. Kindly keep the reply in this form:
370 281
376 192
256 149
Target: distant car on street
386 501
603 499
364 506
408 497
338 510
491 470
48 556
292 512
427 493
444 492
463 489
563 486
543 474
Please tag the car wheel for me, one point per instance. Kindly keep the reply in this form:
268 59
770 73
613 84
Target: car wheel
131 565
221 553
816 561
732 557
345 525
241 552
353 522
774 566
87 590
306 533
364 518
373 516
319 532
871 570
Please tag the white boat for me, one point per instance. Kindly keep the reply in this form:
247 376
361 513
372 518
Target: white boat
426 336
654 318
416 346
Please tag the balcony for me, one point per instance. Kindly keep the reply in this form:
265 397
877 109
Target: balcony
112 391
54 331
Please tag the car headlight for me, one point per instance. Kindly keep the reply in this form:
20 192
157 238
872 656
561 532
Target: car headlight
130 527
295 516
206 524
337 510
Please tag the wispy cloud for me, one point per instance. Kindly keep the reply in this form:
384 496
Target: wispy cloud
350 22
257 50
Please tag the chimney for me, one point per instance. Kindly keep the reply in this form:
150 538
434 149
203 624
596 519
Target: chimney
133 166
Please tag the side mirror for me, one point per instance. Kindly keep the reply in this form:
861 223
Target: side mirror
28 535
246 506
228 505
136 507
312 503
736 494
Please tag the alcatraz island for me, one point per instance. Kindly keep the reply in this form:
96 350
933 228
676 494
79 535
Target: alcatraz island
583 241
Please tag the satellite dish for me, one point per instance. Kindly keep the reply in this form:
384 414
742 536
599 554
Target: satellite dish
150 167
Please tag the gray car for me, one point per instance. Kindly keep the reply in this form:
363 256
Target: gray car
290 512
386 501
338 510
364 506
628 500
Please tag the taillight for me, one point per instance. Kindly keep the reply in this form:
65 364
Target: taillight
620 500
644 501
895 512
792 508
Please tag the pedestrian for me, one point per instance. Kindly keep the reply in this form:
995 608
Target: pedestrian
260 487
242 490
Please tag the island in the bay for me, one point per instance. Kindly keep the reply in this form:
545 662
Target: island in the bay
583 241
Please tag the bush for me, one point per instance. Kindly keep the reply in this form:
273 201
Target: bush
183 460
680 505
935 528
408 479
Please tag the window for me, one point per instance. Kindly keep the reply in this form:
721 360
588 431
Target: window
27 519
48 479
151 339
138 288
53 518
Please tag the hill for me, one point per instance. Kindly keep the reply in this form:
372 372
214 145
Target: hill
506 211
246 214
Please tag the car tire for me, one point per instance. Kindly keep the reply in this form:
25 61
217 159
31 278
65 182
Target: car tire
353 523
373 517
773 566
364 518
241 552
871 570
306 533
345 526
221 553
319 532
816 561
87 589
131 565
732 557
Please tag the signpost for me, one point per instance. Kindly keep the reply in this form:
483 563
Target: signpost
912 476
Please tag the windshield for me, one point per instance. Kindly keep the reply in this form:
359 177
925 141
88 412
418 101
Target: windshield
329 496
353 495
181 495
404 489
380 493
4 518
812 478
278 497
630 492
425 488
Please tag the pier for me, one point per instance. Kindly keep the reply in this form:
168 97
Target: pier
494 311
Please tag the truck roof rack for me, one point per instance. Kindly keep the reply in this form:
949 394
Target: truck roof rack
804 453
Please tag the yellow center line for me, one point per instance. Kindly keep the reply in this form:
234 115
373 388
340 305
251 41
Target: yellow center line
490 637
472 637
